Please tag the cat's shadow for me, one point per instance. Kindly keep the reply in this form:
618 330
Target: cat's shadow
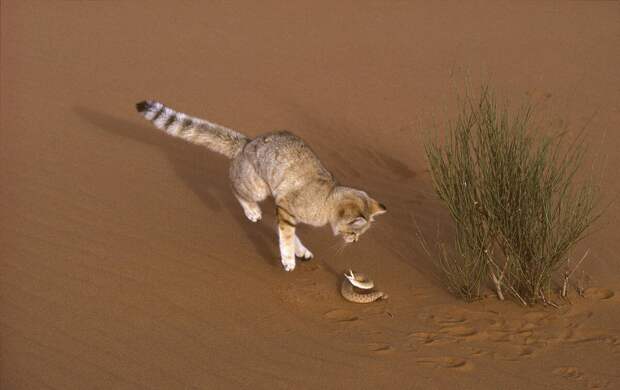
195 166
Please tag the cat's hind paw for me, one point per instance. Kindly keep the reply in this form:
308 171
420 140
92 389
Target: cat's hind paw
303 253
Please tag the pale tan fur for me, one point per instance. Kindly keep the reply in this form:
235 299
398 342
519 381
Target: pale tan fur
282 166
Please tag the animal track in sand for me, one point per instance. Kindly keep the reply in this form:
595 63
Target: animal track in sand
431 338
525 351
381 349
574 374
345 317
579 338
569 372
445 335
537 317
449 320
476 352
340 315
598 293
459 331
454 363
477 336
515 337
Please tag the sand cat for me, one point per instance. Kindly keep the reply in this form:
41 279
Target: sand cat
280 165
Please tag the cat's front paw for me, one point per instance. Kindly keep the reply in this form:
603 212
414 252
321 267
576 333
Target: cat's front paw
254 215
288 264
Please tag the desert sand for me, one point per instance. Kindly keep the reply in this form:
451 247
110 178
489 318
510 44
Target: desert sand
126 263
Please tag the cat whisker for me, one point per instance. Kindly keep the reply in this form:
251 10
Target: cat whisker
338 247
335 244
341 248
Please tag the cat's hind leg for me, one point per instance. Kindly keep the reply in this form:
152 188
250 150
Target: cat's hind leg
248 187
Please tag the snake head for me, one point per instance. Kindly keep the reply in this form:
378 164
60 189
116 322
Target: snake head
359 280
350 275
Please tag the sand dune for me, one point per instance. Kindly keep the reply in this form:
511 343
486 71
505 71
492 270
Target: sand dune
126 262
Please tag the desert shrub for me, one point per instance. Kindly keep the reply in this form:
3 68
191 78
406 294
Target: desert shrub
514 198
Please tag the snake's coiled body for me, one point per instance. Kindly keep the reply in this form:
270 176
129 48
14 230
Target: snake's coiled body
357 288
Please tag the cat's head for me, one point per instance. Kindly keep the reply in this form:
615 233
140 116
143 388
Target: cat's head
354 212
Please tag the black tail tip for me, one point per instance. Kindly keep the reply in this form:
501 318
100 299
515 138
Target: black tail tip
143 106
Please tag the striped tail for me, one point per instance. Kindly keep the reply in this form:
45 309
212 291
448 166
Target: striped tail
198 131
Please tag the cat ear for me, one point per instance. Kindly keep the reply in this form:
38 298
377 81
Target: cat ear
377 208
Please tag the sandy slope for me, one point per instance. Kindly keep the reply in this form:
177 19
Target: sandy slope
126 263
